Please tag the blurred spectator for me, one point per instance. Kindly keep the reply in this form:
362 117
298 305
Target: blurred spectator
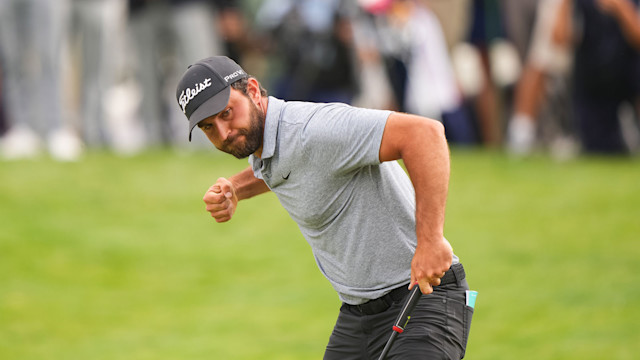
233 28
454 18
374 87
97 37
487 27
487 65
519 18
453 60
31 39
544 58
606 70
391 45
167 36
312 48
419 66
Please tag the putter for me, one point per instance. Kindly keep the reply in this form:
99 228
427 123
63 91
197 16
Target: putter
403 319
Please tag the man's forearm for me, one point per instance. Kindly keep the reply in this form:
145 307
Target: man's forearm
428 166
246 185
421 144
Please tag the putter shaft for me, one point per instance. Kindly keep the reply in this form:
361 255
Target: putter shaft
403 319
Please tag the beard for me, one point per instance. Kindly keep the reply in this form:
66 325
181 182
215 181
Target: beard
252 136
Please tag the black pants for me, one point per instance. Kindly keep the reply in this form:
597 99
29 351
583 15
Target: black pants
438 329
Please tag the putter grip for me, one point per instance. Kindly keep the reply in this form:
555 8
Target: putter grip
405 313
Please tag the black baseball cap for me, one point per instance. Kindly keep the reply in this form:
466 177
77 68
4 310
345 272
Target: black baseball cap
205 87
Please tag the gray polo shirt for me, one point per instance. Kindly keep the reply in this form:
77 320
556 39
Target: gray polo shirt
358 215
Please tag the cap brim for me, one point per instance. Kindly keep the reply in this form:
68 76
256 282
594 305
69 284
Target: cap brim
214 105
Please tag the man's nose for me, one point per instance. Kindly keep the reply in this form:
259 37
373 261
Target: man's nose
223 130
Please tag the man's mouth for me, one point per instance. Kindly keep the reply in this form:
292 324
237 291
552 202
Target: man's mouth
230 140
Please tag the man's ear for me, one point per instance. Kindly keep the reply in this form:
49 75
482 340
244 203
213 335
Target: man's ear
253 89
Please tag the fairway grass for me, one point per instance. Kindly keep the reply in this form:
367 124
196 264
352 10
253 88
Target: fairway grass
116 258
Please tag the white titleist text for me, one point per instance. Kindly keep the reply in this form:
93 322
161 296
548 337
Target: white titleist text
188 94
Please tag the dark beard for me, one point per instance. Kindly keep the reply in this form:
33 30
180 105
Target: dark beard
253 136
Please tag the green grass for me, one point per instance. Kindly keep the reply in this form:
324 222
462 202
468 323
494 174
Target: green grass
115 258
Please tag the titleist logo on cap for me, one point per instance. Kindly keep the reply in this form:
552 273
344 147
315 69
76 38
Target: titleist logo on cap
188 94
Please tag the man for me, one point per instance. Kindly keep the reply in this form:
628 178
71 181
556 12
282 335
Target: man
606 70
333 168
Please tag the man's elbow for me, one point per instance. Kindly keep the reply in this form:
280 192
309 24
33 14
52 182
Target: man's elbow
434 130
437 127
426 135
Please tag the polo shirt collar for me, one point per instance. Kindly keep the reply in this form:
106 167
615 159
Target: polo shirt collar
271 127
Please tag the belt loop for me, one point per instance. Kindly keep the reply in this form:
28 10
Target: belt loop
458 272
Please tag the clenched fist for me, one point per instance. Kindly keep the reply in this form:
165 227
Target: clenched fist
221 200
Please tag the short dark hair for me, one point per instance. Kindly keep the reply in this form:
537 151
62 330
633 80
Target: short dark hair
241 85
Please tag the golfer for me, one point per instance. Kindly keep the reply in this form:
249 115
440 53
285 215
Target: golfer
375 232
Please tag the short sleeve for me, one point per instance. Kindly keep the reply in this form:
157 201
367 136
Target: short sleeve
341 138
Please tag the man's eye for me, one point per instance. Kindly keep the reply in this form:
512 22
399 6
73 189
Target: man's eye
226 113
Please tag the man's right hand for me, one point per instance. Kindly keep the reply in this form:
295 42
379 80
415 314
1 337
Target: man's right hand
221 200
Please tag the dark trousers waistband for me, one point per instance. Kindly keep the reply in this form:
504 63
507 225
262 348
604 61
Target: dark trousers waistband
455 274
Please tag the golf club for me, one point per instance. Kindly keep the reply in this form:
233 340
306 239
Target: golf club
403 319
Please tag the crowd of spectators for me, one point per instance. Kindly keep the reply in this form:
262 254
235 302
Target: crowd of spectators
525 76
